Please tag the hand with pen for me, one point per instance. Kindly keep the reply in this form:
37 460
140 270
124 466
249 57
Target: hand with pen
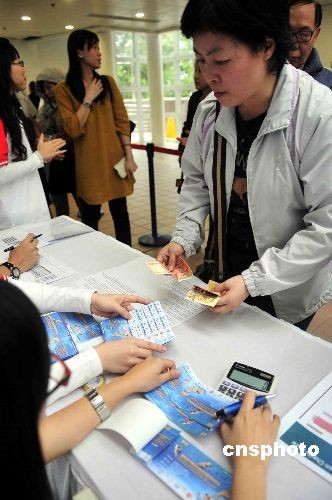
250 426
25 255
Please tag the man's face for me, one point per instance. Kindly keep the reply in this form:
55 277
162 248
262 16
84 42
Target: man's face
302 18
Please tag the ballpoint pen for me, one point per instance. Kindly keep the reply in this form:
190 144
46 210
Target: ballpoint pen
9 249
233 409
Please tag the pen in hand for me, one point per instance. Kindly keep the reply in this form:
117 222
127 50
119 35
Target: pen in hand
233 409
9 249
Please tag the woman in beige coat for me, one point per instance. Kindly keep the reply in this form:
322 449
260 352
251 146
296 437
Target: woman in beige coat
94 116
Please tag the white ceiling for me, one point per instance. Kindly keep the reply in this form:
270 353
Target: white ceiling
49 17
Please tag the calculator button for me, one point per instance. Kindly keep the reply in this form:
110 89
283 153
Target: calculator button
240 395
225 382
235 386
223 388
231 392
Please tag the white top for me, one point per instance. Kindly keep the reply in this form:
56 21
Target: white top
84 366
22 198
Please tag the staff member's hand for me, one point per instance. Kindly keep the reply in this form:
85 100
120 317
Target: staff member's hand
120 356
151 373
251 426
25 255
235 293
109 305
169 254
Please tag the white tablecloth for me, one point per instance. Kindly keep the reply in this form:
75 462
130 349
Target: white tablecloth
210 343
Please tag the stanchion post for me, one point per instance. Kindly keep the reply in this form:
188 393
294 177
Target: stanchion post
153 240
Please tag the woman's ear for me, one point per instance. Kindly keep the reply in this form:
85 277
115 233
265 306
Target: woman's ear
269 48
80 54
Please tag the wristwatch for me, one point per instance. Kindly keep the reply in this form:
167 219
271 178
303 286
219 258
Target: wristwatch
86 104
98 404
15 273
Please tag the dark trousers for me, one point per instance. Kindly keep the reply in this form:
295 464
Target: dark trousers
119 212
61 203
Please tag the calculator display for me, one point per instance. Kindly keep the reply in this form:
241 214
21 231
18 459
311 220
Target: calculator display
249 380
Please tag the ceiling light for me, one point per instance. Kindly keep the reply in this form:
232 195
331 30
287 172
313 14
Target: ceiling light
26 18
139 14
69 27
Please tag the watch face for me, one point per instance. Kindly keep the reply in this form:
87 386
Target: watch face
15 272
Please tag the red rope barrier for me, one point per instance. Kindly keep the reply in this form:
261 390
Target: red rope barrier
158 149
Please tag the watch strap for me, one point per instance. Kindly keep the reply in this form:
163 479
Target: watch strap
98 404
14 270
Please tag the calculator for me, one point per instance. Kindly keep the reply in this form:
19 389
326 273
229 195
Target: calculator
240 377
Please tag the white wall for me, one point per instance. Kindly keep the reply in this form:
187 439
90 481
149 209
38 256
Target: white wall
52 52
324 42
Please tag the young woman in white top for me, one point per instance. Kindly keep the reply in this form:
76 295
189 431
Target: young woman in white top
22 197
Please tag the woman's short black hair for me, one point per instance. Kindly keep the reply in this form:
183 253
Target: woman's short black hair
250 22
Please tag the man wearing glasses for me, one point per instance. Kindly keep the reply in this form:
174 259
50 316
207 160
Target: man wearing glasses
305 19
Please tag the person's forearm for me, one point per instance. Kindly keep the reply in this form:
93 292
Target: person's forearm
49 298
65 429
82 115
18 169
4 270
249 481
126 144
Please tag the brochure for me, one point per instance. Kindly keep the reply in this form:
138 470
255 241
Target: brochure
148 322
163 450
189 403
310 422
71 333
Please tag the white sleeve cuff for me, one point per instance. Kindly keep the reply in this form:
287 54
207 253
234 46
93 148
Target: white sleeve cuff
84 366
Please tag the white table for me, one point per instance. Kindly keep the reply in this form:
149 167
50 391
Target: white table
210 343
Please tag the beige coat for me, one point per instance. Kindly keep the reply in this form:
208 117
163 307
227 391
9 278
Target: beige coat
97 145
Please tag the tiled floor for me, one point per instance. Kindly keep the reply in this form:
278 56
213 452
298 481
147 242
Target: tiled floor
166 170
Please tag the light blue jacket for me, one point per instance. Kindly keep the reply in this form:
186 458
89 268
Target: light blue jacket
289 182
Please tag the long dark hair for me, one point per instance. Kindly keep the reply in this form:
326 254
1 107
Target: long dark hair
250 22
24 361
77 40
10 110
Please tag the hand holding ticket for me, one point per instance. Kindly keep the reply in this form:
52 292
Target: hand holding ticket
181 271
208 297
203 296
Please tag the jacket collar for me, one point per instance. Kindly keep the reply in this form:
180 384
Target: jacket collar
313 64
278 115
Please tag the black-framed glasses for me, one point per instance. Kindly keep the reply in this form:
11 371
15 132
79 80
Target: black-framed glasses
20 62
303 36
59 374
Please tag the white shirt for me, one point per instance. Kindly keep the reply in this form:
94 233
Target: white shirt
84 366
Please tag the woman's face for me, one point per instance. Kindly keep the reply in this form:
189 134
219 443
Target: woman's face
90 57
236 75
17 75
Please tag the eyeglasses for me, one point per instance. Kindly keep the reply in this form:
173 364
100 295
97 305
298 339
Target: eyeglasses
303 36
20 62
59 374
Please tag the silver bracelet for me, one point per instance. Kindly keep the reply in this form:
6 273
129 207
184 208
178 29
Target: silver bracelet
98 404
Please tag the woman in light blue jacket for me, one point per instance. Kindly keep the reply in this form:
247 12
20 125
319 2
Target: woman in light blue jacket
262 164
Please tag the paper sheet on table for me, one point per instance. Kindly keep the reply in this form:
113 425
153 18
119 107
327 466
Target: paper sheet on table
137 420
171 294
310 422
48 270
58 228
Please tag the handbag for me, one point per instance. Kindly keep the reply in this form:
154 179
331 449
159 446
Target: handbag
120 168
